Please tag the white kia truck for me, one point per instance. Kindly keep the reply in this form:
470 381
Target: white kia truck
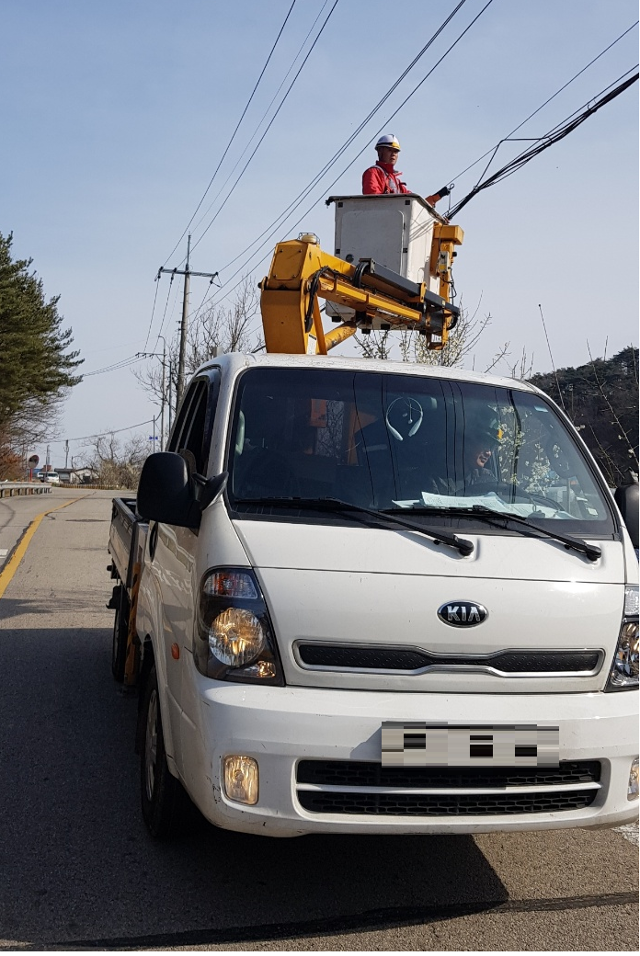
377 597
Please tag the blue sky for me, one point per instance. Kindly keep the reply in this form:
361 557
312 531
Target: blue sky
116 114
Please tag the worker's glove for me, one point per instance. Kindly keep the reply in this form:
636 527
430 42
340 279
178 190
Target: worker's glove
443 192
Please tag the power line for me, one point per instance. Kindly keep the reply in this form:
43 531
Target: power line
546 102
153 310
166 306
296 203
270 124
553 364
310 186
233 135
557 133
111 431
560 131
261 121
305 193
124 363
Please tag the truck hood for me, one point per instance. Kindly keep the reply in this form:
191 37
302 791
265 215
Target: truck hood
319 547
381 589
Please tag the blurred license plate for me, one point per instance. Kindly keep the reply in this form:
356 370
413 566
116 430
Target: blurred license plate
465 745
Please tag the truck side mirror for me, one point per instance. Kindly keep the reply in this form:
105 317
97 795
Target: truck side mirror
165 491
627 501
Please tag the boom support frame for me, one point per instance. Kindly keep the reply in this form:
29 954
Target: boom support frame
301 273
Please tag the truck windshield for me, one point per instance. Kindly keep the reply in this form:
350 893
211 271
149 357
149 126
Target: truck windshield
402 441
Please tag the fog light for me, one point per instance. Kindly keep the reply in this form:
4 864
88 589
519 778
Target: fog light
241 779
632 789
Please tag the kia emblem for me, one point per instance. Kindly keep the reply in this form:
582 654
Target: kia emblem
462 613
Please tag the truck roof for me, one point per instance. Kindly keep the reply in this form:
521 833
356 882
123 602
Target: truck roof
236 361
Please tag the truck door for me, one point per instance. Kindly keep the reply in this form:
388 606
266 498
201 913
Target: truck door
176 547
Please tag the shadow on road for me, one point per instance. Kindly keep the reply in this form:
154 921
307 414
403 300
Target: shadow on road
79 869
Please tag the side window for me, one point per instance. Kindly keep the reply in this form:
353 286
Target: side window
175 441
192 434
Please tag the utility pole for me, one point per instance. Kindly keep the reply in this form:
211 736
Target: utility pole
66 453
170 388
164 356
183 325
187 273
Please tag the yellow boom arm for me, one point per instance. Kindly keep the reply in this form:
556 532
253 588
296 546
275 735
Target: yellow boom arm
301 272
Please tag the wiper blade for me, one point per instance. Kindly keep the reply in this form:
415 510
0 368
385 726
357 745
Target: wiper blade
357 511
592 551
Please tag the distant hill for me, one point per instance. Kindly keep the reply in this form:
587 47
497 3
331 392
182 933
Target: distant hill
601 398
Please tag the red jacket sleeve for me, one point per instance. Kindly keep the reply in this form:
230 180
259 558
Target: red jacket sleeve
372 181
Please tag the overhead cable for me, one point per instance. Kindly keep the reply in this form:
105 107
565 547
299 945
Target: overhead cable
270 124
166 306
153 310
546 102
113 368
112 431
233 135
278 222
546 140
295 203
261 121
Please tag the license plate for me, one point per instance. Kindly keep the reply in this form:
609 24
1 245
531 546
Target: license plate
467 745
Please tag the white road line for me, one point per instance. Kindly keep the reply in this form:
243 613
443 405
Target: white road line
629 832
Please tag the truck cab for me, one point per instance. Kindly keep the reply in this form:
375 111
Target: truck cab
384 598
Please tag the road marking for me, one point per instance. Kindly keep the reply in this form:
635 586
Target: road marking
629 832
12 565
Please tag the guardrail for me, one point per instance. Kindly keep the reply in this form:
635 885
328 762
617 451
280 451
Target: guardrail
10 488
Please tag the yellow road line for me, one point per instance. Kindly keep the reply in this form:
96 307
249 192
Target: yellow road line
11 566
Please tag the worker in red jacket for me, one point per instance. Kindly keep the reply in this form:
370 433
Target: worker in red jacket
384 178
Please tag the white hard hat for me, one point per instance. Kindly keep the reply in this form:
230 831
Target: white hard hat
388 140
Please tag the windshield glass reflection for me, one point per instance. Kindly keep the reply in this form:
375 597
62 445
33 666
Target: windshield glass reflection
408 441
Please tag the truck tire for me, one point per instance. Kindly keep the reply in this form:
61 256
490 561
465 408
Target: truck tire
166 807
120 635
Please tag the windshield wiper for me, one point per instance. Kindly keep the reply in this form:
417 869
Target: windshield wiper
592 551
357 512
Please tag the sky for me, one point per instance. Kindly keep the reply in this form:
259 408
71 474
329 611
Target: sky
115 116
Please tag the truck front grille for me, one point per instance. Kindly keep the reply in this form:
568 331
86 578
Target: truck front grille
413 660
353 787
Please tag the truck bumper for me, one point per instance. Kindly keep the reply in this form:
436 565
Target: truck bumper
279 727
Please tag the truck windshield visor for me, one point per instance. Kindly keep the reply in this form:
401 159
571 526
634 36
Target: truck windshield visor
402 441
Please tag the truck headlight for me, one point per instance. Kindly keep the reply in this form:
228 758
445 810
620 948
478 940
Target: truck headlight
624 671
235 639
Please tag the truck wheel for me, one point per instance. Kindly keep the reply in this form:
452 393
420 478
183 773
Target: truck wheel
119 642
166 808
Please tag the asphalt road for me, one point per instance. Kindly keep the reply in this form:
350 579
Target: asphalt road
79 871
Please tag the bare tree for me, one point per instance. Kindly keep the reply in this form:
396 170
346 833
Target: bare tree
33 424
225 329
217 330
117 464
412 346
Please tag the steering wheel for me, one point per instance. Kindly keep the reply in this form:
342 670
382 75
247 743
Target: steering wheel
407 415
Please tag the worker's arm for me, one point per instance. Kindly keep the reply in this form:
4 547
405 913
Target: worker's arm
373 181
432 200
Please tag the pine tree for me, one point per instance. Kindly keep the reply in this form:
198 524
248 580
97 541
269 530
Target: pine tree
36 366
